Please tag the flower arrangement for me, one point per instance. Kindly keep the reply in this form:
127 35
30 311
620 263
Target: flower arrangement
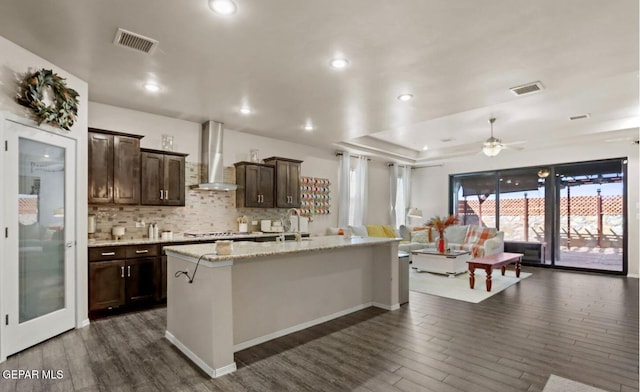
242 219
440 223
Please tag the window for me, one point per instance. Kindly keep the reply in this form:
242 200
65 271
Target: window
571 215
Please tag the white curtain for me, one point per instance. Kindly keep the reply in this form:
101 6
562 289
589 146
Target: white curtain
360 191
406 183
400 192
345 189
393 186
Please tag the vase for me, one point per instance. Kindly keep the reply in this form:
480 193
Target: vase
441 244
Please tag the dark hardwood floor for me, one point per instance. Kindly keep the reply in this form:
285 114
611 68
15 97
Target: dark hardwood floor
579 326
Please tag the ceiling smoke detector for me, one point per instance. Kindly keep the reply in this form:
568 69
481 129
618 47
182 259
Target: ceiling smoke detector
528 88
135 41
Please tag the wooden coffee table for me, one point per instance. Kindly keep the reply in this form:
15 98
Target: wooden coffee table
488 263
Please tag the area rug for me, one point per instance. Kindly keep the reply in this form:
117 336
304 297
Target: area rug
560 384
458 287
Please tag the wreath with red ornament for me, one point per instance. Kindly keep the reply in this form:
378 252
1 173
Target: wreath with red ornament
44 85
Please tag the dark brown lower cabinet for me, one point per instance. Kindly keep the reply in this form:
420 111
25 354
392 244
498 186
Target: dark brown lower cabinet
106 285
140 281
131 281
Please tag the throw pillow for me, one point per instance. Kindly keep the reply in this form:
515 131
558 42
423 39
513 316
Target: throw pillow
456 234
427 229
419 236
360 231
405 233
375 231
389 231
477 235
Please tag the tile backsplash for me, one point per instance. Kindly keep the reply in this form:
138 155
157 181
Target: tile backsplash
204 211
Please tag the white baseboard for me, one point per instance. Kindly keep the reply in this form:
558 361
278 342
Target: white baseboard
385 306
299 327
633 276
211 372
84 323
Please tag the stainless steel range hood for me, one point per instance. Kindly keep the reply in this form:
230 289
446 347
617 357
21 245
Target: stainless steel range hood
211 158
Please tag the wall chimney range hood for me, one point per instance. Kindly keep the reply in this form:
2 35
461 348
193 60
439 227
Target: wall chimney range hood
211 157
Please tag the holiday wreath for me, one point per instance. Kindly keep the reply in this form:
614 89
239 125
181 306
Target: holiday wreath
62 110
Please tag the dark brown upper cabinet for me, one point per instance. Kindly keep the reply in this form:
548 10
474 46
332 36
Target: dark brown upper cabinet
255 185
287 181
163 178
114 167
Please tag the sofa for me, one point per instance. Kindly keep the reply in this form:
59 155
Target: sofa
480 241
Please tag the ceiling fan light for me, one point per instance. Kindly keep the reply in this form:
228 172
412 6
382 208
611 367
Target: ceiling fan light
491 148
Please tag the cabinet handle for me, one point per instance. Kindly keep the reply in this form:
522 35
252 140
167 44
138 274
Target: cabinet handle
166 194
122 272
110 192
128 271
142 251
108 253
160 194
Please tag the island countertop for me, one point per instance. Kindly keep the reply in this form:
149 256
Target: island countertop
248 249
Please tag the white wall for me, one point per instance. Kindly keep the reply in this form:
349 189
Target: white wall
15 62
186 134
430 186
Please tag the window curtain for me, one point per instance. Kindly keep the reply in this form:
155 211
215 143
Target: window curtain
393 187
405 172
345 189
361 185
400 192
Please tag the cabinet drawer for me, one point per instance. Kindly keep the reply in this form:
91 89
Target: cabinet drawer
106 253
135 251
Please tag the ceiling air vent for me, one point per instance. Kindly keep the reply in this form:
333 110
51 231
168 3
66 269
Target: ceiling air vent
580 116
527 88
135 41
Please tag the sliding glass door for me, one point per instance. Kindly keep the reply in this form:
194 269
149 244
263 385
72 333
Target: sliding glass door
568 215
591 215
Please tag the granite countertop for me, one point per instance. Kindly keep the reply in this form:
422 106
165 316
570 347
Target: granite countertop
146 241
247 249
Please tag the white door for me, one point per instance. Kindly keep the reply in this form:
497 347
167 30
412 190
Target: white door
38 258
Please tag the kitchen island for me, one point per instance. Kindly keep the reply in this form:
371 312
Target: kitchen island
262 291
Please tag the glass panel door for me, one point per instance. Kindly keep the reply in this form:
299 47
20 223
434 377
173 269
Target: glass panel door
38 260
40 228
591 215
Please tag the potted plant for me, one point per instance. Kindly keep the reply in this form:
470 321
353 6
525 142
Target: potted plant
440 223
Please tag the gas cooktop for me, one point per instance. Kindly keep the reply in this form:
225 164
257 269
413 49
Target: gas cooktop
211 234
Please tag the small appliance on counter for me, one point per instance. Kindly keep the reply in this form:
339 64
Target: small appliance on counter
91 228
265 226
117 232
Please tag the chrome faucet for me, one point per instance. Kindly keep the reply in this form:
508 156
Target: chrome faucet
297 211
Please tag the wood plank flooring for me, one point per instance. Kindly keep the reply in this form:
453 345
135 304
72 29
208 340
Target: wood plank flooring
579 326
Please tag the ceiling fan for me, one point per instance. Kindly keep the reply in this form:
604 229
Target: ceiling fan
492 146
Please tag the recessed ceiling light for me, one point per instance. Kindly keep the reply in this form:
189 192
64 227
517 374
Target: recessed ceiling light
245 110
405 97
425 148
46 155
223 7
308 127
339 63
151 87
